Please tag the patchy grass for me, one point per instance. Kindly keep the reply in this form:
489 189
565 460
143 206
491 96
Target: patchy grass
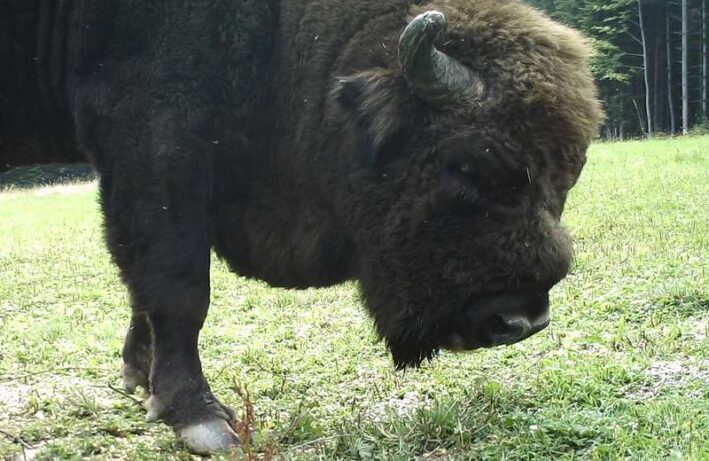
622 373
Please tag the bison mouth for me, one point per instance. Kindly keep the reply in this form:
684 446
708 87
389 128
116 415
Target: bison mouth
491 320
498 320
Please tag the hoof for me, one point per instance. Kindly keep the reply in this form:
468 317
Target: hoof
155 409
133 378
209 437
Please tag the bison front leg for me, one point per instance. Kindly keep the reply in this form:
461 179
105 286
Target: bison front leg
180 394
155 206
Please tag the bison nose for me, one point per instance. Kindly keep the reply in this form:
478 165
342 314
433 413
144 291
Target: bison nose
518 317
504 330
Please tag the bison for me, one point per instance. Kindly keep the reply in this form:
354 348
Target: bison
423 149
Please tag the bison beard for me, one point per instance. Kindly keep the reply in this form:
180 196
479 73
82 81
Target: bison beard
424 150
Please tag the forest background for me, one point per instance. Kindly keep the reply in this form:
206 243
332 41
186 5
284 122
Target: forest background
651 61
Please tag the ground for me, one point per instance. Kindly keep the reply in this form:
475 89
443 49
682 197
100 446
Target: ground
622 373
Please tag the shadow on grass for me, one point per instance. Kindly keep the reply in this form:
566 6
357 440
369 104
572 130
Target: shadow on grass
44 175
686 304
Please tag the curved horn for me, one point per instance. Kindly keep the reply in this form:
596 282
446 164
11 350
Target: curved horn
434 76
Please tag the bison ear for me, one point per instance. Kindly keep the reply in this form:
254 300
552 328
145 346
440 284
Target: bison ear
374 107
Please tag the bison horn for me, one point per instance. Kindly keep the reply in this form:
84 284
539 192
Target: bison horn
434 76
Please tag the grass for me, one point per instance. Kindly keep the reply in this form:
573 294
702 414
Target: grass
44 175
622 373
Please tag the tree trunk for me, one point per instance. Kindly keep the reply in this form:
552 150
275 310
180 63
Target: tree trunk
641 122
646 69
656 109
685 69
670 99
622 119
705 116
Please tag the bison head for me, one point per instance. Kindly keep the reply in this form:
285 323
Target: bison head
472 142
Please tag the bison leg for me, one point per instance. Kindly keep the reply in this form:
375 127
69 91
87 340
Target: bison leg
189 407
137 354
156 227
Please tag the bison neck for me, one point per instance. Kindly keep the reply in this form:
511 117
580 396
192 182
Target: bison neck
289 224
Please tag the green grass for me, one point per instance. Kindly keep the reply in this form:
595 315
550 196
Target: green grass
622 373
45 175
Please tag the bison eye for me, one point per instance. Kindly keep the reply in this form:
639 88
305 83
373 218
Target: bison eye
459 182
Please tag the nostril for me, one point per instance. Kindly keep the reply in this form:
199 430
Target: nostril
517 327
503 330
506 318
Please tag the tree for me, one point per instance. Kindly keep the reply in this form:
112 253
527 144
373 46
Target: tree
646 68
634 40
670 99
685 68
705 116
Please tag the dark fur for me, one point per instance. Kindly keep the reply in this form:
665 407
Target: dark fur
282 134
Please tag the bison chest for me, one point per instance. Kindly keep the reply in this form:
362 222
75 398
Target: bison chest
284 243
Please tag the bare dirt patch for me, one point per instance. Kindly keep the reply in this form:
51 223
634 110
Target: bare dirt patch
25 403
668 375
401 406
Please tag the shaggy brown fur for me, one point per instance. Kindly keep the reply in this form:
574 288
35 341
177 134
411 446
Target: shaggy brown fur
284 135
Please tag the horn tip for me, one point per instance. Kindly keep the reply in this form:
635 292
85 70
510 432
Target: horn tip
433 17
